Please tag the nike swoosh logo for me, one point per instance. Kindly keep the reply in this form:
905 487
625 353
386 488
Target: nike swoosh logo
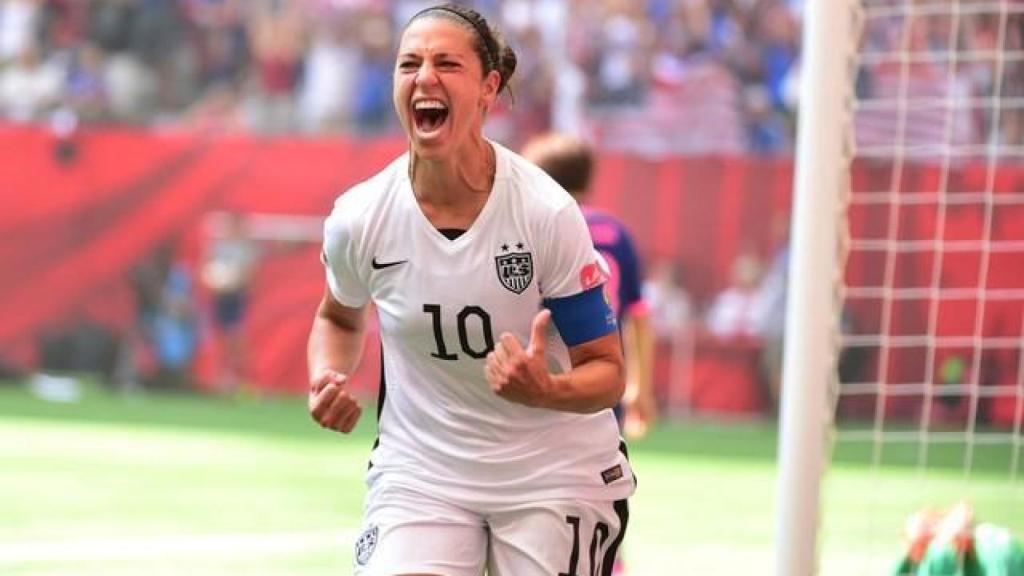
382 265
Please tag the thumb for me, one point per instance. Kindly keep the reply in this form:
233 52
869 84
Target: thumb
538 333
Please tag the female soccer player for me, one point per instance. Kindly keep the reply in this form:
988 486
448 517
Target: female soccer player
497 446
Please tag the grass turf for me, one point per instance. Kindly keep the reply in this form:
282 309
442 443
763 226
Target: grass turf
181 484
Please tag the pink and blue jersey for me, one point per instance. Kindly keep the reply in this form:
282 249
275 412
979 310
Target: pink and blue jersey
612 240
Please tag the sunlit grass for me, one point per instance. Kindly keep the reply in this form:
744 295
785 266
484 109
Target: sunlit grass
181 484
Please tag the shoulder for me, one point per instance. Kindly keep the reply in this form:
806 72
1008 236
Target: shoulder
353 204
531 185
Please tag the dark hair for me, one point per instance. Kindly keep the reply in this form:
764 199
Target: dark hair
569 161
490 47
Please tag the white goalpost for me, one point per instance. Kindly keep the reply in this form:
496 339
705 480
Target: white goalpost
907 256
810 318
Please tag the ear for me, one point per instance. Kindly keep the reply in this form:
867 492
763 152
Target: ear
489 94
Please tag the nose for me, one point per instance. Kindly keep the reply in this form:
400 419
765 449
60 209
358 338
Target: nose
426 75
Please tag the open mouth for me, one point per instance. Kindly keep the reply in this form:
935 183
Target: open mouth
429 115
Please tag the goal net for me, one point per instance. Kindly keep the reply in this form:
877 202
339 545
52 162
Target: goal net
921 153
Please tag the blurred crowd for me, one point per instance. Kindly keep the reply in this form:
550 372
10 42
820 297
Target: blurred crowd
627 73
949 83
324 66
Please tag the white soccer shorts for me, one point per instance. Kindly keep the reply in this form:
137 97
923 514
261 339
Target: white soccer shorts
408 532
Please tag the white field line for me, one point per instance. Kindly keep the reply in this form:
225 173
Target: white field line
20 551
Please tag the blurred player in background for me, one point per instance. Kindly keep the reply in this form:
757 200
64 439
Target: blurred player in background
952 544
227 272
570 162
497 447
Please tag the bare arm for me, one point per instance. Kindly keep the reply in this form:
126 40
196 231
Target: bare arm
333 352
597 378
336 338
638 341
596 381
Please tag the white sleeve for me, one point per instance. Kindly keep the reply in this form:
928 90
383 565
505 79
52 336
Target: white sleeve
570 264
340 257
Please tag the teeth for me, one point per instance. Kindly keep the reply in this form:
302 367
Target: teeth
430 105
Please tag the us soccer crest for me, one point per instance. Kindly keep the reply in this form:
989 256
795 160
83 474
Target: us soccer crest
515 269
366 545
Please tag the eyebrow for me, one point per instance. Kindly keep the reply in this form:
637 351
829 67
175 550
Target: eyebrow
451 55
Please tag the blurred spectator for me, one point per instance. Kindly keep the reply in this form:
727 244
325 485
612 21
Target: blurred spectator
221 44
227 271
672 318
277 33
19 24
767 132
29 87
174 330
670 305
64 24
158 39
530 112
85 90
619 54
137 356
770 311
734 311
373 108
110 24
159 349
219 108
779 41
130 83
331 67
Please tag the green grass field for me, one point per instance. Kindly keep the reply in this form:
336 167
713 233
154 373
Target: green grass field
178 484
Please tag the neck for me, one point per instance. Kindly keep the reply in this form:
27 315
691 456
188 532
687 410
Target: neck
467 172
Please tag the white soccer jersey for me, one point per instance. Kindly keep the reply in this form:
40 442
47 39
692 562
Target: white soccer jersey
442 304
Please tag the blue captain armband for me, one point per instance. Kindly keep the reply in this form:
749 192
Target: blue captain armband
582 317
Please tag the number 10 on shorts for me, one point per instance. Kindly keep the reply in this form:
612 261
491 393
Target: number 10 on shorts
597 544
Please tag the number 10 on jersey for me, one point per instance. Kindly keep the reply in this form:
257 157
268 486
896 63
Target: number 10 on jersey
474 315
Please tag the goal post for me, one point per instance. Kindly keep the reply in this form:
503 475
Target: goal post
821 179
906 279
